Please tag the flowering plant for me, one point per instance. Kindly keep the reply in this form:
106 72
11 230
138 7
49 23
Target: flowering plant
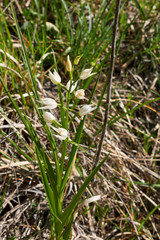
56 177
73 91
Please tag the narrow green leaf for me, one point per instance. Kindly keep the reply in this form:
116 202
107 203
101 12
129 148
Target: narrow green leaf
24 53
148 216
4 192
69 17
139 7
52 199
69 210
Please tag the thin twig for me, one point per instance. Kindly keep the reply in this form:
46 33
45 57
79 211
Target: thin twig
109 82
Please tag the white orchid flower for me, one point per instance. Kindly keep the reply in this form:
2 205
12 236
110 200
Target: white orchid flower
55 77
86 73
80 94
49 103
62 133
86 109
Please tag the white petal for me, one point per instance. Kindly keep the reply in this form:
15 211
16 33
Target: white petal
73 87
49 103
86 73
63 133
80 94
55 77
86 109
48 117
59 137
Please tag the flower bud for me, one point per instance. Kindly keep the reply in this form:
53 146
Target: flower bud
48 117
80 94
55 78
86 73
68 64
77 59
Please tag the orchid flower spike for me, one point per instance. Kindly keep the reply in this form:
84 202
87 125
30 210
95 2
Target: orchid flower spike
55 78
86 109
49 103
80 94
68 64
86 73
48 117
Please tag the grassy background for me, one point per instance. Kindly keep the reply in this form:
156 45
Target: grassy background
129 181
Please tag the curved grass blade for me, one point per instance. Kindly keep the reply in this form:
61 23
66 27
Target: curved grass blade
69 210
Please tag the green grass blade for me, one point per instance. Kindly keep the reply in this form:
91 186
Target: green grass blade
91 97
69 17
4 192
25 53
148 216
69 210
62 110
7 38
90 19
19 150
52 198
44 28
139 7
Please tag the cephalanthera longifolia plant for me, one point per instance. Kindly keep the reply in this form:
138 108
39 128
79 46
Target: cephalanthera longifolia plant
55 177
63 143
55 182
